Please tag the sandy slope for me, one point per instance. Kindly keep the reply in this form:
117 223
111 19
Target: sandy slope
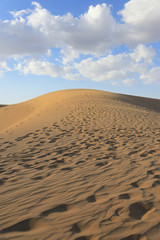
80 165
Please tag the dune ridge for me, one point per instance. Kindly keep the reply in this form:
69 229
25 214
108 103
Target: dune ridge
80 165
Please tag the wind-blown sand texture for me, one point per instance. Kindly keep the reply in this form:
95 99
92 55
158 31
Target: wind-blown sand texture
80 165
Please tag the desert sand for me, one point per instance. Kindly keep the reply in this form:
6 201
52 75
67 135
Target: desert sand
80 165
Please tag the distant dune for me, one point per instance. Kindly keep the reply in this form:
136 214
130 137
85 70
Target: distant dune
80 165
2 105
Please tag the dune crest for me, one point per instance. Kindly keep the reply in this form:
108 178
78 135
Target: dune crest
80 165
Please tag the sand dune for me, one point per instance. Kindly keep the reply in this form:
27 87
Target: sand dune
80 165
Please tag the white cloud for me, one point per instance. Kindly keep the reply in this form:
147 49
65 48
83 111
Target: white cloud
141 19
36 4
143 53
117 68
39 68
152 75
94 32
4 68
69 55
137 12
45 68
19 39
108 68
91 33
36 31
73 76
122 68
20 13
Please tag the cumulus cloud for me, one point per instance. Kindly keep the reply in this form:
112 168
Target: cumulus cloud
89 37
117 68
69 55
73 76
45 68
93 32
141 19
36 4
19 39
141 13
38 67
4 68
152 75
20 13
143 53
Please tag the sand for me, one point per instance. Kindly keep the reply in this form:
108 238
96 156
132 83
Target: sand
80 165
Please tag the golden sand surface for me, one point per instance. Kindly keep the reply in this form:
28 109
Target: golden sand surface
80 165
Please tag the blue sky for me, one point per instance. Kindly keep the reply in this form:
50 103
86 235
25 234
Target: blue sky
55 44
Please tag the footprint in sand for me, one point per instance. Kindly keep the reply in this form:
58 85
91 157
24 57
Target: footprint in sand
132 152
138 210
25 225
156 183
116 213
150 172
67 169
59 208
59 161
44 155
135 184
37 178
23 137
124 196
91 199
132 237
157 176
53 165
81 161
2 180
39 168
27 166
75 228
81 238
2 170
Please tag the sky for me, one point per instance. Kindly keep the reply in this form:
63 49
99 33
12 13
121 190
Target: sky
51 45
